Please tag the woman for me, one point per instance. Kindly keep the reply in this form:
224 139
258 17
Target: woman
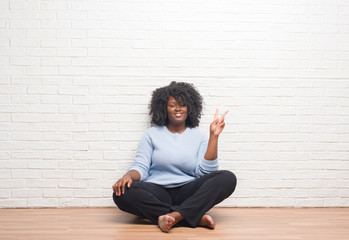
174 179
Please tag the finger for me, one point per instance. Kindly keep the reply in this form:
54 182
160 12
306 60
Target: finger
123 188
129 184
216 114
117 191
223 115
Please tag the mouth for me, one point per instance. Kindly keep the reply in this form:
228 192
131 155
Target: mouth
178 115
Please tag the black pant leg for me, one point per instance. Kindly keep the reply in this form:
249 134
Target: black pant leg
197 197
146 200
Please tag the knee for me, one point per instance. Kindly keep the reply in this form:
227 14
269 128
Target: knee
120 202
228 180
115 198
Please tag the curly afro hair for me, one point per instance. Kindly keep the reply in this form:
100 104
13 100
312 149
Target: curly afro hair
184 93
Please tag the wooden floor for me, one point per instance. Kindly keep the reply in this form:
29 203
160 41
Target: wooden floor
232 223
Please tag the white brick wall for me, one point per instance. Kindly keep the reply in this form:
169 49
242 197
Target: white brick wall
76 78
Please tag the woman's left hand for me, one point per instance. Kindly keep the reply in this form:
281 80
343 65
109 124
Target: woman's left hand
218 123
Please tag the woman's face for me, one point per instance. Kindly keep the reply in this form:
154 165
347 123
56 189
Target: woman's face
177 112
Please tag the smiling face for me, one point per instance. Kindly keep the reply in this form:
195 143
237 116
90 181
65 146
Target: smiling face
177 112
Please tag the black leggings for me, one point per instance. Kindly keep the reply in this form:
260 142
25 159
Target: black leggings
192 200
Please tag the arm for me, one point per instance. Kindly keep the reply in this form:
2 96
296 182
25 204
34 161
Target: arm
216 128
127 179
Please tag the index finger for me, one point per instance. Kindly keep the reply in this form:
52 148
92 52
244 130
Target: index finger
216 114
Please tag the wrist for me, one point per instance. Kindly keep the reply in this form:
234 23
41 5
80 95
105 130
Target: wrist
214 136
128 174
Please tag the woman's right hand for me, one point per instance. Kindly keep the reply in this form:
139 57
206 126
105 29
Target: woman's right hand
119 186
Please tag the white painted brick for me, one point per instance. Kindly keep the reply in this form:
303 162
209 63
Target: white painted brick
42 183
27 174
29 117
76 80
53 118
4 155
59 155
105 165
72 165
68 71
42 164
4 136
101 202
56 99
88 193
41 202
22 4
57 174
100 146
25 42
13 202
87 174
6 174
4 60
88 155
57 136
26 193
26 136
85 62
13 90
4 194
103 109
72 52
74 109
73 202
11 164
12 70
68 146
72 184
57 193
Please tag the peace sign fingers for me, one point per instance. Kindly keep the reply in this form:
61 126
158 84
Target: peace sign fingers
218 123
221 119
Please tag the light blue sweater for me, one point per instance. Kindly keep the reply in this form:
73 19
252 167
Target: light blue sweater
172 159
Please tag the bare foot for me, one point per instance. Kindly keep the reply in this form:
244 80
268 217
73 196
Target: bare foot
207 221
166 222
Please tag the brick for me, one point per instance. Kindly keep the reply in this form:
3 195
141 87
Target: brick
72 184
88 193
57 174
42 164
26 193
72 202
13 202
42 183
57 193
40 202
72 165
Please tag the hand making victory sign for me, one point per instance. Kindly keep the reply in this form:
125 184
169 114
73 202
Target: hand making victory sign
218 123
216 128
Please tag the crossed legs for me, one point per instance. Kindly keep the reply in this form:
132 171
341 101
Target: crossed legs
186 204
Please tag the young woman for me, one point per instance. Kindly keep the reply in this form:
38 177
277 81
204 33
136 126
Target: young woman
174 179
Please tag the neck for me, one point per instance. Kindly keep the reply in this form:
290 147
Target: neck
176 128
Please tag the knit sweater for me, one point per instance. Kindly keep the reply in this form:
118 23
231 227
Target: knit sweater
172 159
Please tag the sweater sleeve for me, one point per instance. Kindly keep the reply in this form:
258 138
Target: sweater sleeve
205 166
142 160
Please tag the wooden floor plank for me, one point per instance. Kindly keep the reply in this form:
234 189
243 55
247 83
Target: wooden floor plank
232 223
